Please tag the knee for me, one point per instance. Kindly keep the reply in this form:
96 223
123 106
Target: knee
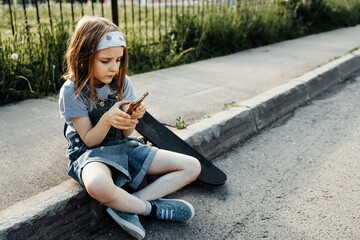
101 188
193 169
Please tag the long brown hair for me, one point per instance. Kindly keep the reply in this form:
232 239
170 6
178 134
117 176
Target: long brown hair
81 54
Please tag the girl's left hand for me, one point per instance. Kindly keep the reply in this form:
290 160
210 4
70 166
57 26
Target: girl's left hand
138 112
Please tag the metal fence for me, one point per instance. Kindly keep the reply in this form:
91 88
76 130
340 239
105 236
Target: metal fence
145 18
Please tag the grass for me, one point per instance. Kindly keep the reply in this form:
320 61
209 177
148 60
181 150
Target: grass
37 70
214 31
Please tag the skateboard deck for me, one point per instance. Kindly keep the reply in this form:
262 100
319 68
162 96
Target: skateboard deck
163 138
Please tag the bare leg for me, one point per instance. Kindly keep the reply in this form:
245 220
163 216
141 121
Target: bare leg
181 170
100 185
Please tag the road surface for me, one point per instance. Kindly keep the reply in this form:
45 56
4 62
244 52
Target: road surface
297 179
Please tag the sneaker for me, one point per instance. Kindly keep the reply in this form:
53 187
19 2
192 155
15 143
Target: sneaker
172 209
130 222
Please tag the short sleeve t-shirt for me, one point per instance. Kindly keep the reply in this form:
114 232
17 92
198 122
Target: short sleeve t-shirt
72 106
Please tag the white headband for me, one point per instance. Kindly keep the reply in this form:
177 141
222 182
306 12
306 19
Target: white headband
111 39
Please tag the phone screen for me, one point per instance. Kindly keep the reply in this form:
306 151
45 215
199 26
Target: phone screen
136 103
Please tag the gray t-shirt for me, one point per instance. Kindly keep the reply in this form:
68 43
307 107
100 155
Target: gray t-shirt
71 106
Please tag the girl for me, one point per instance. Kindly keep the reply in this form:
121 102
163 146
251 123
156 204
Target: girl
103 158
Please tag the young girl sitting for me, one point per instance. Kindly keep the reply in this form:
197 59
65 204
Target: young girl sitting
103 158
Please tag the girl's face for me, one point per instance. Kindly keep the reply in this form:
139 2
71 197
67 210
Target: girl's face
106 65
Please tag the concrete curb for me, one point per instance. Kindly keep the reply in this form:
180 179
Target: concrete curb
54 214
220 132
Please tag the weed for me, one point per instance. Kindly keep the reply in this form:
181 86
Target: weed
180 123
229 105
354 49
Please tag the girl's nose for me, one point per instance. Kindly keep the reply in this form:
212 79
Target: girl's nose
114 67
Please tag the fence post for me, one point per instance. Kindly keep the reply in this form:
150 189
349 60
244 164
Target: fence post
114 12
50 19
27 26
61 14
11 19
125 19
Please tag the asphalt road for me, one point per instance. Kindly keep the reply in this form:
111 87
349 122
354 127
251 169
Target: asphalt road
297 179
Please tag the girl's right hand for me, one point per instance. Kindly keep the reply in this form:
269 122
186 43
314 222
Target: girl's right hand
119 119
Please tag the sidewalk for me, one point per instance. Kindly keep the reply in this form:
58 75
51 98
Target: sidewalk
38 198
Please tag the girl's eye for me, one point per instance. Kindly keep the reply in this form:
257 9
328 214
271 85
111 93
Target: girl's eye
118 60
105 61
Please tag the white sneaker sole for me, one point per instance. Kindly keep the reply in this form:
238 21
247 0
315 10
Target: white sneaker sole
130 228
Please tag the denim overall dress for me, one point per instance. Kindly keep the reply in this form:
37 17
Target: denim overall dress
128 159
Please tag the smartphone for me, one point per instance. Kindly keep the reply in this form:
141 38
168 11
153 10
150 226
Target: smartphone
136 103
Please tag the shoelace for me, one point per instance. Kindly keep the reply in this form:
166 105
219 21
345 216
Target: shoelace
167 214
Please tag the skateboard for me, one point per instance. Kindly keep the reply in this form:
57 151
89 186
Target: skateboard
163 138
